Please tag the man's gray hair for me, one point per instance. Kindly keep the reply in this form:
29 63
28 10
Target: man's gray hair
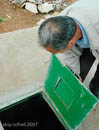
56 32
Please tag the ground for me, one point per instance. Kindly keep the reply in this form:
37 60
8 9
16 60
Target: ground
13 17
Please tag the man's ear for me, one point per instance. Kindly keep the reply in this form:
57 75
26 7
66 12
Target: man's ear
71 43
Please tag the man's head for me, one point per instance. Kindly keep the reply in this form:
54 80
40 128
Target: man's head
56 33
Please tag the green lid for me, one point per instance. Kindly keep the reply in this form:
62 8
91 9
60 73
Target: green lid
66 95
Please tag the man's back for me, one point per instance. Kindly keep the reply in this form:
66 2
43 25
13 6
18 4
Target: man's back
87 13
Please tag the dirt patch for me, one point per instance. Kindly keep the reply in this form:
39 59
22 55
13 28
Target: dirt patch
14 18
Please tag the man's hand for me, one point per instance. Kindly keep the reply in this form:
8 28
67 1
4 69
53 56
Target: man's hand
80 78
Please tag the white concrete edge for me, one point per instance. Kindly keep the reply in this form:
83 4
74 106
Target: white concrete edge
1 127
20 98
20 30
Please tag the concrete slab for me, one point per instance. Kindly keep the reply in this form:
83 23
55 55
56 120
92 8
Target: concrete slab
92 120
23 65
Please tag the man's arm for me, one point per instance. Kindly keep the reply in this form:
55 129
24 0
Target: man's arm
71 59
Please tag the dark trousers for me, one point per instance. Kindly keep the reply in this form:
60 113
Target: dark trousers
86 61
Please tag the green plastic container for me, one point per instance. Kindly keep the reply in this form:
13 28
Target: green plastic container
66 95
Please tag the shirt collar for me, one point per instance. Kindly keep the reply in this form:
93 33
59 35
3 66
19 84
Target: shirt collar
84 42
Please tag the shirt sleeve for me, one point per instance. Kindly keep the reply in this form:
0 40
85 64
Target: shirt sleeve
72 61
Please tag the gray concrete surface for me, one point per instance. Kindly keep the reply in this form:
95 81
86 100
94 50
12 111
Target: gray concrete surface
23 66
